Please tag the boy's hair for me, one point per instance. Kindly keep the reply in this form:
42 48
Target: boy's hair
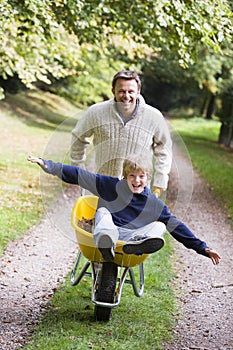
138 162
127 75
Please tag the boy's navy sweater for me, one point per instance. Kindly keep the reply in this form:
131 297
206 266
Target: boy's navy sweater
128 209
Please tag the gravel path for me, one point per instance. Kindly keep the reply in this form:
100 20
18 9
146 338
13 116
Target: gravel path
31 270
33 266
205 291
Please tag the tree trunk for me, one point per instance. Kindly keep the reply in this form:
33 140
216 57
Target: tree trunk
204 105
226 115
211 107
226 135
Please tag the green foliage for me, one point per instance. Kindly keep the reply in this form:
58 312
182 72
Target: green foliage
168 86
42 40
187 22
94 84
34 46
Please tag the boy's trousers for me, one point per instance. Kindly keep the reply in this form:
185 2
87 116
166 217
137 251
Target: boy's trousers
105 225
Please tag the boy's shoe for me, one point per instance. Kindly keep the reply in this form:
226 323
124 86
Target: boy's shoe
143 246
106 247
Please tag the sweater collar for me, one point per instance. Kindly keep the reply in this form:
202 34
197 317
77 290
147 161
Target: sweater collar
137 111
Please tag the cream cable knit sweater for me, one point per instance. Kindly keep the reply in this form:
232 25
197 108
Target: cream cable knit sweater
113 140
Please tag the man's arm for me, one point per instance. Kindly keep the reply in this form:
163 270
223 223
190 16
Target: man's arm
162 150
79 141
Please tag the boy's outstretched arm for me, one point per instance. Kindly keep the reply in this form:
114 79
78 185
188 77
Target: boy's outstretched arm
185 236
49 167
214 256
68 173
39 161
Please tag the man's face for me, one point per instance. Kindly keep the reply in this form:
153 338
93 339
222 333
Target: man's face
126 93
137 180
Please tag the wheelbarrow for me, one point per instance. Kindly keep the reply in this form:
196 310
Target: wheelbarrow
108 278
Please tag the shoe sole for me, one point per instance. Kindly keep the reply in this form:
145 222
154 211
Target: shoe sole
105 245
147 246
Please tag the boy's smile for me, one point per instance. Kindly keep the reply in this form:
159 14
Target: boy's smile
137 180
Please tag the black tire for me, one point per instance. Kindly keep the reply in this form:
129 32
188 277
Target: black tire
106 290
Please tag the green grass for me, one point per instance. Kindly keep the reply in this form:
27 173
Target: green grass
137 323
25 129
213 162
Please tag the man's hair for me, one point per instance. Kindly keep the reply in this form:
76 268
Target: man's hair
137 162
127 75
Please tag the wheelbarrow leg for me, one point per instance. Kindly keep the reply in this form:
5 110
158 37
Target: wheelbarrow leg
137 291
74 280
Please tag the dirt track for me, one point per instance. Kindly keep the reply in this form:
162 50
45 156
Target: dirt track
205 291
31 270
33 266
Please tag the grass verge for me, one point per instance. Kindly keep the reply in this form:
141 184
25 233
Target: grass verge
26 129
213 162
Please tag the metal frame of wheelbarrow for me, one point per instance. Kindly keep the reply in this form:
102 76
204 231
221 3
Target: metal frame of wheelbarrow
96 267
108 277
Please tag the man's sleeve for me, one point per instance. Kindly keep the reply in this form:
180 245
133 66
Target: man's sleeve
162 150
79 141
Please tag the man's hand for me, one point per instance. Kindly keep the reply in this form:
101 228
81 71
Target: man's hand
214 256
157 191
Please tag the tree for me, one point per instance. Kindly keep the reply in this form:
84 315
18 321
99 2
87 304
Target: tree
33 45
206 87
215 74
226 98
43 39
175 24
226 130
93 84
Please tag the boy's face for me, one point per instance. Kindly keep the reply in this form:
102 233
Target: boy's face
137 180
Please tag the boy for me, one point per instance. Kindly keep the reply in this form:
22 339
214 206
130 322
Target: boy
127 210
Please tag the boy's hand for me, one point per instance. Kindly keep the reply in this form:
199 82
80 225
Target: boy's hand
39 161
214 256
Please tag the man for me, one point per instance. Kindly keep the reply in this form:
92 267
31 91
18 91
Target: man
121 126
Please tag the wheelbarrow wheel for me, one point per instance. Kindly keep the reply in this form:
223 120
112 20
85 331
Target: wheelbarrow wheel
106 290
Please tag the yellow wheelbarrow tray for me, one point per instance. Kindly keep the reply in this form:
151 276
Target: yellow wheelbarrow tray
106 293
